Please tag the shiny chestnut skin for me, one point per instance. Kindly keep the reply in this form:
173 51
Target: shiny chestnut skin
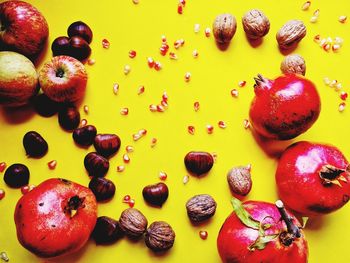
16 175
102 188
60 46
199 163
156 194
69 117
85 136
44 106
79 48
107 230
107 144
34 144
96 165
80 29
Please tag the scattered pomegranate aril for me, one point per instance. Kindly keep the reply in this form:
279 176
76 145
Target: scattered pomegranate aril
120 168
207 32
131 203
317 38
52 164
150 62
196 106
83 122
115 88
141 90
2 194
142 132
132 53
136 137
129 149
179 43
2 166
185 179
183 2
127 69
222 124
306 5
126 158
342 19
191 129
313 19
173 56
157 66
210 129
335 47
124 111
195 53
153 108
163 176
246 124
86 109
179 9
160 108
234 93
341 107
105 43
187 76
197 28
126 199
27 188
242 83
343 95
153 142
316 12
163 39
91 61
203 234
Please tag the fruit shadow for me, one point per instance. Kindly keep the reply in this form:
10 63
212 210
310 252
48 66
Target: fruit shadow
70 257
38 59
289 50
222 46
17 115
254 43
160 254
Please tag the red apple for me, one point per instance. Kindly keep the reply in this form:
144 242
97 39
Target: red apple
63 79
22 28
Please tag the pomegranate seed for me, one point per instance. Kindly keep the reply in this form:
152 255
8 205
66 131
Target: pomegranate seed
207 32
160 108
2 193
150 62
333 83
126 158
191 129
317 12
153 142
338 86
342 19
142 132
129 148
197 28
306 6
52 164
335 47
83 123
234 93
163 39
246 124
127 69
164 103
185 179
105 43
195 53
179 9
120 168
242 83
115 88
25 189
327 47
157 66
313 19
203 234
153 108
135 1
124 111
91 61
126 199
317 38
210 129
173 56
136 137
164 49
326 81
183 2
86 109
141 90
249 167
131 203
196 106
215 156
187 76
179 43
132 53
163 176
222 124
341 107
343 95
165 96
2 166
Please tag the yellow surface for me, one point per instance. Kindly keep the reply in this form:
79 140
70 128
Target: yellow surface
140 27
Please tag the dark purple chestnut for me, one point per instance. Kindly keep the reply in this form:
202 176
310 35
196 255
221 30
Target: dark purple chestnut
16 175
156 194
44 106
199 163
79 48
96 165
102 188
80 29
107 230
85 136
69 118
107 144
60 46
34 144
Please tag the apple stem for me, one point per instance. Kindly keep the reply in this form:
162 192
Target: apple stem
291 227
60 73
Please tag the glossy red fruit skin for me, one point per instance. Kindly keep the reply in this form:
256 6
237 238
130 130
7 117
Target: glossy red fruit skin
234 238
285 107
80 29
44 228
299 184
60 46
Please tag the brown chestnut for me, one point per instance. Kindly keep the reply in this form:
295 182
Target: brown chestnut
17 175
34 144
107 144
69 117
60 46
44 106
85 136
80 29
96 165
107 230
79 48
102 188
156 194
199 163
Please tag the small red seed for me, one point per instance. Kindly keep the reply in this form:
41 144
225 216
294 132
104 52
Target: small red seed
195 53
83 122
163 176
164 103
163 39
187 76
173 56
196 106
120 168
136 137
180 9
210 129
2 194
160 108
126 158
234 93
157 66
246 123
140 90
317 38
86 109
153 142
91 61
27 188
131 203
150 62
132 53
341 107
343 95
342 19
124 111
185 179
242 83
153 108
306 5
52 164
129 148
191 129
115 88
222 124
203 234
317 12
183 2
165 96
207 32
105 43
2 166
126 199
127 69
142 132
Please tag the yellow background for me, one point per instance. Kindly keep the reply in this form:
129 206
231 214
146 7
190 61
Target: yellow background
214 74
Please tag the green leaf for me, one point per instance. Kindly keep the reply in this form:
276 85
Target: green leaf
261 242
244 216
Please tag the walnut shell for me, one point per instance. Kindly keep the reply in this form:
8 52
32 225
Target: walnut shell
133 223
293 64
159 236
290 34
224 28
200 207
239 180
255 24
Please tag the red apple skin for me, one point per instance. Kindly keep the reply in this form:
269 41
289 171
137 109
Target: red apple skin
45 228
25 28
63 79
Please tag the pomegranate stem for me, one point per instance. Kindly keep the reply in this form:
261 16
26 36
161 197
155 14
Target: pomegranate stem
291 227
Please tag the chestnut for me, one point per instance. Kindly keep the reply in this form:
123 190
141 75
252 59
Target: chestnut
156 194
107 230
85 136
44 106
79 48
60 46
34 144
96 165
107 144
69 117
198 163
16 175
102 188
80 29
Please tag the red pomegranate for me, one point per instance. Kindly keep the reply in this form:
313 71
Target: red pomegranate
261 232
313 178
285 107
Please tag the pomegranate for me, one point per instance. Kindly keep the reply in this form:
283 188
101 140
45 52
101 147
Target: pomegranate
258 232
55 218
285 107
313 178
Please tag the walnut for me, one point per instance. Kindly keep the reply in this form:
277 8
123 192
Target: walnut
293 64
255 24
133 223
159 236
200 207
290 34
224 28
239 180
